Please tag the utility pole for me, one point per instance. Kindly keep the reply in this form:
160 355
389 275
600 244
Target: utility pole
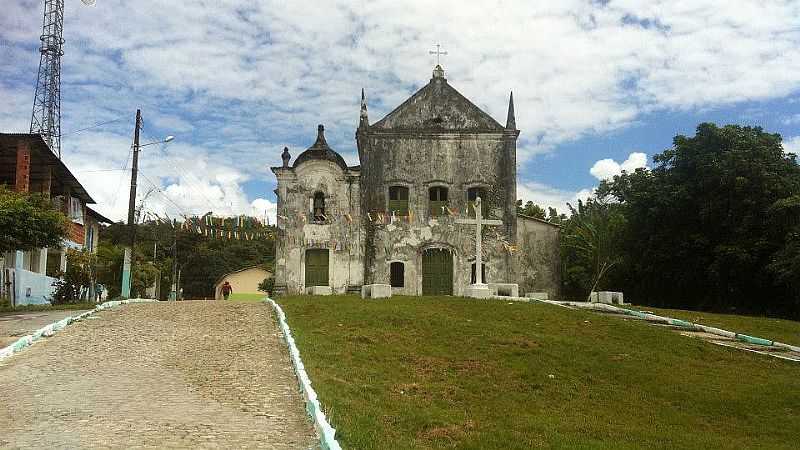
127 262
174 294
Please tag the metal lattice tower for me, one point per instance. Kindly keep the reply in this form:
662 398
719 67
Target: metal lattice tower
46 117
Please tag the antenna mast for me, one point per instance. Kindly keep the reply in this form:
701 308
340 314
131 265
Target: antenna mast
46 117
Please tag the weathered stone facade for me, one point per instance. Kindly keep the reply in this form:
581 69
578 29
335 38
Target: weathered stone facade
318 170
391 220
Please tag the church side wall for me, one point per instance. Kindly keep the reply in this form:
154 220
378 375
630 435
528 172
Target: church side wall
538 257
298 232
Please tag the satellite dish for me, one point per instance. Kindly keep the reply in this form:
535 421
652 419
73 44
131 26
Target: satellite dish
89 2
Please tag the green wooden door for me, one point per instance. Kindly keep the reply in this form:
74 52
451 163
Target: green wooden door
437 272
316 267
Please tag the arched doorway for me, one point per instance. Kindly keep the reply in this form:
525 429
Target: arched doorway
437 272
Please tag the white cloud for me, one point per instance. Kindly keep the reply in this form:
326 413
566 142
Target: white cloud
264 208
605 169
792 145
550 197
237 80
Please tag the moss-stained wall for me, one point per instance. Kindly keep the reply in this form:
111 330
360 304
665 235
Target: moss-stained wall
298 232
436 138
538 257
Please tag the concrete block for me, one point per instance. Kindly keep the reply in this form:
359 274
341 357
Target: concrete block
478 291
537 295
319 290
504 289
607 297
376 291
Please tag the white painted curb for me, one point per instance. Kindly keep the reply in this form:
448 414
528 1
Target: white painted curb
680 323
326 432
48 330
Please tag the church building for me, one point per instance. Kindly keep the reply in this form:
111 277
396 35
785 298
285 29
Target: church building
397 218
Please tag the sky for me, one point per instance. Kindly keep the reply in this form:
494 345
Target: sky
599 86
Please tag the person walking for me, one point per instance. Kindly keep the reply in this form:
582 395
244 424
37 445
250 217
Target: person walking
226 290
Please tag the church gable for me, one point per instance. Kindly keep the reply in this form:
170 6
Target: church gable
438 106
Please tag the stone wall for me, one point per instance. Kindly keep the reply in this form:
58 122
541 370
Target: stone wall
297 231
538 257
420 160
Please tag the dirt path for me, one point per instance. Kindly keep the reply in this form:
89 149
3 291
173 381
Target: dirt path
165 375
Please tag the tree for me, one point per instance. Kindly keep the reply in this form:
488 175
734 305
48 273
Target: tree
29 221
591 246
201 259
710 226
531 210
76 280
267 284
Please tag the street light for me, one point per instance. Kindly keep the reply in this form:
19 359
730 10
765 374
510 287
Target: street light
126 263
169 138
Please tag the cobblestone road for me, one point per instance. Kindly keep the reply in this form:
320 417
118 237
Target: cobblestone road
14 326
166 375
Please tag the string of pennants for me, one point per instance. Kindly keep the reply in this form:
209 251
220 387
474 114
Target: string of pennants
242 228
375 217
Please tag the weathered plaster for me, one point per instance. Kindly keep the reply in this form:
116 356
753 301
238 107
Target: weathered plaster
538 257
297 231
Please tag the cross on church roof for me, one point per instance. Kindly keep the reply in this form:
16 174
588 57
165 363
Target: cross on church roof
438 53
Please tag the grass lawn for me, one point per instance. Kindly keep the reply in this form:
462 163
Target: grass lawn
786 331
246 297
414 372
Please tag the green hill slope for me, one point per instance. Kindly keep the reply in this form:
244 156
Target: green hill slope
453 373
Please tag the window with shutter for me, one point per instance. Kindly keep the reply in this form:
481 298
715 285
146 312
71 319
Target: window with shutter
319 207
437 200
398 200
472 195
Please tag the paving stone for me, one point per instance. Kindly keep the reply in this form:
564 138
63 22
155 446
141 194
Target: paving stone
164 375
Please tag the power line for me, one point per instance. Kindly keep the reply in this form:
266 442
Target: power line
195 186
99 170
181 209
93 126
119 184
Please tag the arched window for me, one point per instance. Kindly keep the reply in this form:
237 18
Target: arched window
318 210
437 200
397 274
398 200
483 273
472 195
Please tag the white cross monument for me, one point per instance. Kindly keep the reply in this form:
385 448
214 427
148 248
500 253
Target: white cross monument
479 289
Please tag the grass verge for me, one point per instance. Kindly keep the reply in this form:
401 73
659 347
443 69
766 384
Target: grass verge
246 297
416 372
